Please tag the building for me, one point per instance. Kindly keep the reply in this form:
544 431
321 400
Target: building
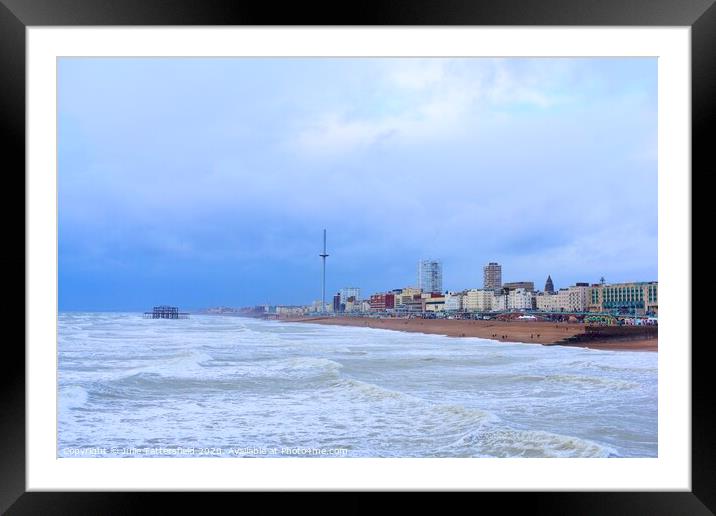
478 300
416 305
337 303
514 285
624 298
351 305
430 276
348 292
410 299
549 286
290 310
499 302
547 302
519 299
435 304
572 299
381 302
492 276
377 302
408 294
453 301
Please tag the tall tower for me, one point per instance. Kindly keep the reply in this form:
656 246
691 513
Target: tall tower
323 284
492 276
549 286
430 276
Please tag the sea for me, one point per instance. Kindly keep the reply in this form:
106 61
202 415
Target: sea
224 386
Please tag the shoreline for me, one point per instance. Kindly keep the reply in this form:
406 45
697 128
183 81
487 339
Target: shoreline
545 333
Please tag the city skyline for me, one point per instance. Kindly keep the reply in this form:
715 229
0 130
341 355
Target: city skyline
205 182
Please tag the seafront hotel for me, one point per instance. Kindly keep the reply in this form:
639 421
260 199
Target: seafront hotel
640 298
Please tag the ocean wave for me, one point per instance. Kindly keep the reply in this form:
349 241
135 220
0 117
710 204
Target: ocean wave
187 364
632 366
378 392
590 381
295 367
433 417
72 396
374 392
572 380
508 442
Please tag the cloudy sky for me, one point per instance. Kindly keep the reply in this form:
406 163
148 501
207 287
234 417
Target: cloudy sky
203 182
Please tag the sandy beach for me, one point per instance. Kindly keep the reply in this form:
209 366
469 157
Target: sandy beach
533 332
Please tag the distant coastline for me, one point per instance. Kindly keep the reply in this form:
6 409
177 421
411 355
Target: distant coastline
531 332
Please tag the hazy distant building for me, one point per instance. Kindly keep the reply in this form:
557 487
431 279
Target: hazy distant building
430 276
409 299
351 304
549 286
514 285
337 303
434 304
499 302
382 301
349 292
492 276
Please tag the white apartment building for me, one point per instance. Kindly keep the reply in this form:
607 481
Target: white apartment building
547 302
499 302
519 299
572 299
453 301
478 300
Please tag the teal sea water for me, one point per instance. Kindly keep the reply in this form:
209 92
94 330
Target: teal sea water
233 387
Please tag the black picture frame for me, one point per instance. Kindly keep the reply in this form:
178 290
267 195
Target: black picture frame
16 15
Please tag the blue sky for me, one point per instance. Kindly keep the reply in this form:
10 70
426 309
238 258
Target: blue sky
203 182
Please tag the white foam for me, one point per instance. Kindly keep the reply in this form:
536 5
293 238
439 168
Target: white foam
71 396
222 381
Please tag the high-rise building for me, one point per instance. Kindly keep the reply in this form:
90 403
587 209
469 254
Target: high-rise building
337 302
492 276
430 276
349 292
549 286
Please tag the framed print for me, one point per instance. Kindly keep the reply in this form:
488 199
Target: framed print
408 251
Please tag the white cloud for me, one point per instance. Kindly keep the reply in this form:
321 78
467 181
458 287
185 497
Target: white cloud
417 74
437 99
